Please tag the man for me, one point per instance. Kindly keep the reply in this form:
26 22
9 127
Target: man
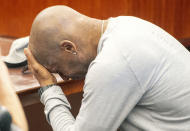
136 74
9 101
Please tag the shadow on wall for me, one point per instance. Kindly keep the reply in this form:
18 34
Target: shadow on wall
186 43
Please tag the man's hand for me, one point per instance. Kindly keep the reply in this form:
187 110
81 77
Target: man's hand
43 76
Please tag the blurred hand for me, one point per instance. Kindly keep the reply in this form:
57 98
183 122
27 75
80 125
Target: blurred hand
4 76
43 76
10 100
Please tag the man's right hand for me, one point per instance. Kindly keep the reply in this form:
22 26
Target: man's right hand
43 76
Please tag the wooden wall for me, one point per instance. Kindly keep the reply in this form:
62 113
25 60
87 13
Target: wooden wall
16 16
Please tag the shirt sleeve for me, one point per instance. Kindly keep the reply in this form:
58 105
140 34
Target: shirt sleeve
111 91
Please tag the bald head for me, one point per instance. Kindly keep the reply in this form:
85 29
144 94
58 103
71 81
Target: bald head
64 40
52 26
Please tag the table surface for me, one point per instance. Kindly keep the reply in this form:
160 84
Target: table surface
26 83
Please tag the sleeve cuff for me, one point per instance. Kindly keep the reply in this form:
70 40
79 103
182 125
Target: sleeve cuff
53 97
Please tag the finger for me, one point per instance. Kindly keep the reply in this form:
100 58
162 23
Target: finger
30 57
29 67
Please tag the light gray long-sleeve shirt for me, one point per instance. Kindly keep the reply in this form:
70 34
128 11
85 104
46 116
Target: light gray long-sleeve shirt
140 80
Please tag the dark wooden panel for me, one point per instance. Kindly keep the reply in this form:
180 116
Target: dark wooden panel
16 16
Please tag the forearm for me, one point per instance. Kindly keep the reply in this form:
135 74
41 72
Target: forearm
9 99
61 119
57 109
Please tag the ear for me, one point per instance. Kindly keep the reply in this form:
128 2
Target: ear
68 46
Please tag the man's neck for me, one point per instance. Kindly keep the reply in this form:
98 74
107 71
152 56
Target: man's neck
96 30
105 25
101 26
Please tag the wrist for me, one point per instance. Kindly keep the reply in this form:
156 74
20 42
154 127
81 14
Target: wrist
47 83
42 89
